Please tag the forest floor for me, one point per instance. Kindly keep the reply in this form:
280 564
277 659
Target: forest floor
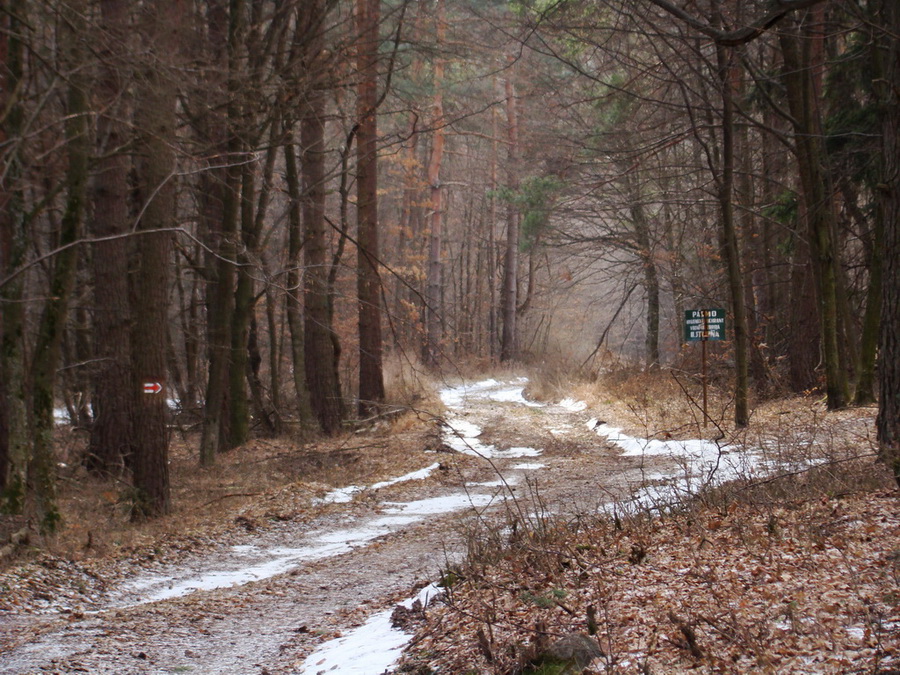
285 545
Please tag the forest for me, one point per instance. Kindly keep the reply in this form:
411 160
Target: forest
248 212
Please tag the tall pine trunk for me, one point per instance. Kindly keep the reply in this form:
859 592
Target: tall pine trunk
220 191
889 404
730 238
812 162
318 358
509 294
295 276
155 127
866 367
110 441
14 441
368 282
434 311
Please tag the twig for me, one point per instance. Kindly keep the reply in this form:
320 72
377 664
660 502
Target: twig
690 636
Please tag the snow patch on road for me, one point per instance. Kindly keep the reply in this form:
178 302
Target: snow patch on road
462 435
698 463
490 390
372 648
643 447
346 494
270 562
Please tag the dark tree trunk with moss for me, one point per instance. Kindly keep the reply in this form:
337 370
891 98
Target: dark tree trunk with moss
42 465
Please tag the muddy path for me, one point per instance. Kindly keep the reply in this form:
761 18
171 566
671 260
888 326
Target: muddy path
263 599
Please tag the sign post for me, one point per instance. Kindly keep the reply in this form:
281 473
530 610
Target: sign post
701 325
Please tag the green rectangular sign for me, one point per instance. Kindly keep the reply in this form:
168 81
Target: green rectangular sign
704 324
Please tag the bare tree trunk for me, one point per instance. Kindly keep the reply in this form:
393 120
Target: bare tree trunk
267 415
509 291
868 348
434 310
238 397
648 263
729 232
749 250
14 441
817 194
889 402
155 124
275 328
492 257
866 380
368 286
295 276
42 464
318 356
219 190
110 441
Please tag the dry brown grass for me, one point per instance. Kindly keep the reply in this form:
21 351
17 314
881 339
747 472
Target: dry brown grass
275 475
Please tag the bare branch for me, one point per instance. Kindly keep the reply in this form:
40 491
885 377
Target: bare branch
733 38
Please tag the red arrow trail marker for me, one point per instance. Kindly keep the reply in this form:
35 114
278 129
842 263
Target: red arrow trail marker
152 387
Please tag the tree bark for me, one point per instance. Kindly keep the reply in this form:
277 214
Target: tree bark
314 348
888 422
155 125
509 291
648 264
866 380
295 279
14 441
110 441
244 292
434 311
219 212
730 239
817 194
42 464
368 286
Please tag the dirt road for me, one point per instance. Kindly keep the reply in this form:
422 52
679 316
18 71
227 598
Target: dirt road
261 600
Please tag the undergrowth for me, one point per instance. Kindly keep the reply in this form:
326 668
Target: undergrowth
540 576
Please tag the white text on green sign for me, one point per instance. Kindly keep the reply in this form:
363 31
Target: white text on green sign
704 324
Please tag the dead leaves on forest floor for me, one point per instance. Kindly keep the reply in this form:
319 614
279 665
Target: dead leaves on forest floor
799 574
810 585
